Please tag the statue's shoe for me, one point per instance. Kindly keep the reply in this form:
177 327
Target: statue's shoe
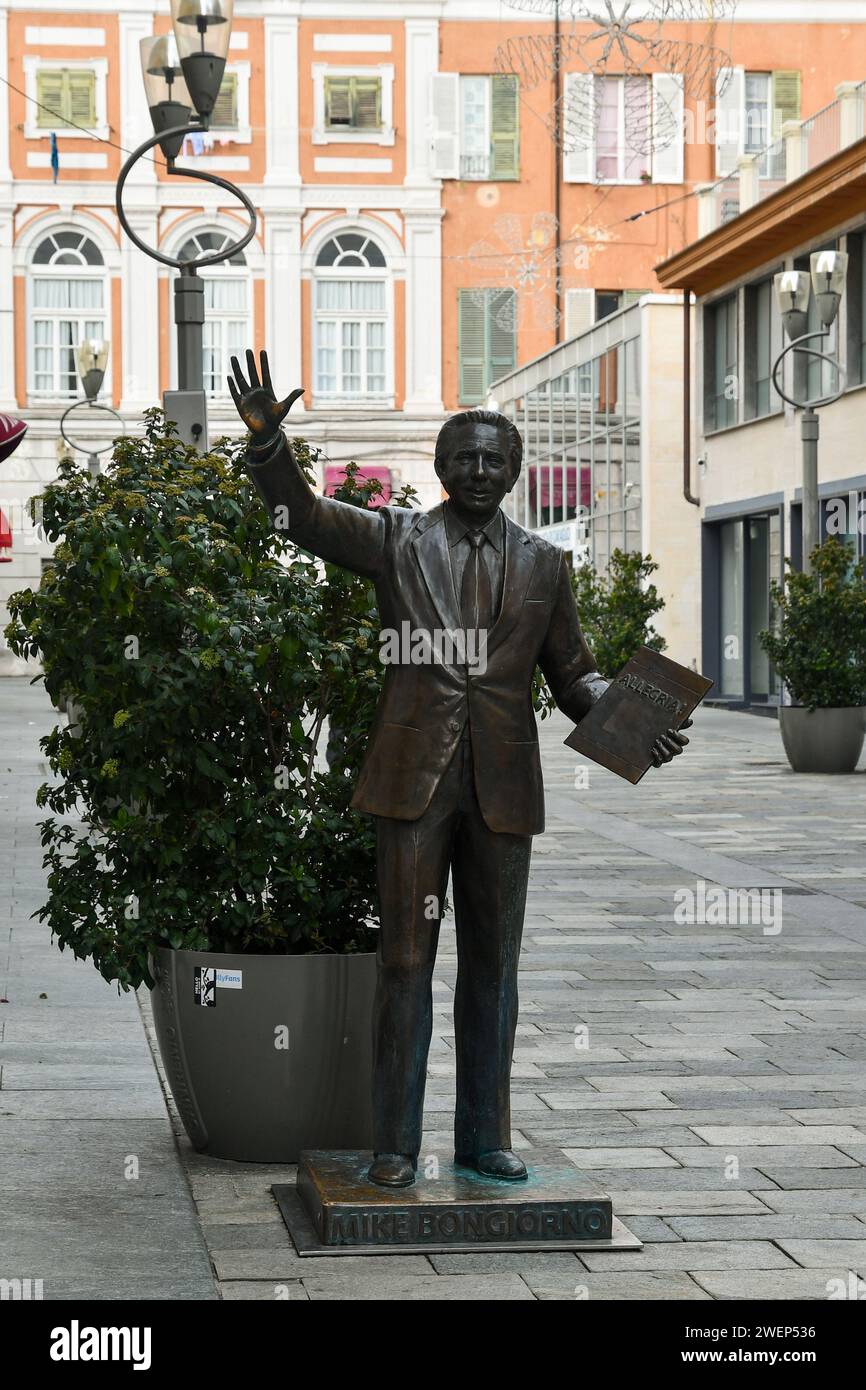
496 1163
392 1170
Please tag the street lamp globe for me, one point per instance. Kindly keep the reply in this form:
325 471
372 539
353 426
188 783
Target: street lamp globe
92 359
202 29
793 289
829 272
168 99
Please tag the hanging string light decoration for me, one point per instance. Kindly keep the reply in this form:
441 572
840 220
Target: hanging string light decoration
631 39
523 255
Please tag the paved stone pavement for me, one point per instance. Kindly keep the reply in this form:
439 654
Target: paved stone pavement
94 1200
709 1073
711 1076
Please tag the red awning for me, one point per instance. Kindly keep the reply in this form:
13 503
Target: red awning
335 476
12 432
541 472
5 538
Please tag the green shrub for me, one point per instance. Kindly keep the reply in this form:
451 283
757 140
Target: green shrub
818 643
617 608
203 654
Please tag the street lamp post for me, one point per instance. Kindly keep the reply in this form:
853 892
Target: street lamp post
91 359
182 76
793 292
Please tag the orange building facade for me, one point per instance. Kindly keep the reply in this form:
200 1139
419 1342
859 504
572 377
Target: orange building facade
437 199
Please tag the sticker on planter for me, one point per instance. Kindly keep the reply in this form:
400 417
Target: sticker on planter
204 984
230 979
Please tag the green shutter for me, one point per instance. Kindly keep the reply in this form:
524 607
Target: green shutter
471 344
366 104
487 340
225 112
786 88
501 335
504 126
49 93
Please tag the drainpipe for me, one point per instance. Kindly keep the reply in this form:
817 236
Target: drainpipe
687 398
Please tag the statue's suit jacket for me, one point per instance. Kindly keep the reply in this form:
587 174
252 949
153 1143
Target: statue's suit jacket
424 708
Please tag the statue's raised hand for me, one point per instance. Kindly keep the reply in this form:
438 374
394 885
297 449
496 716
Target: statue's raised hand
256 400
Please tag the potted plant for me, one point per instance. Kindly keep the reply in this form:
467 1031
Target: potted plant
818 648
617 608
217 861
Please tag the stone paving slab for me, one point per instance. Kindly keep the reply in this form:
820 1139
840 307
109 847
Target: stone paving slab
93 1197
628 1286
699 1042
422 1289
777 1284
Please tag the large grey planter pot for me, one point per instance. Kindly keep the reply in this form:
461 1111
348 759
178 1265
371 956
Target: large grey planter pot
239 1093
822 740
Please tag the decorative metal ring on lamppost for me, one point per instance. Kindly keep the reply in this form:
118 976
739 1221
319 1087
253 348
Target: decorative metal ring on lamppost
796 346
187 267
91 405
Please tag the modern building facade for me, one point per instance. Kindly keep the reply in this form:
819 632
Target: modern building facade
748 450
602 429
438 201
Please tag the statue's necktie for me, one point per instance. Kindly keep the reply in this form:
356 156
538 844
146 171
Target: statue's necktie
476 599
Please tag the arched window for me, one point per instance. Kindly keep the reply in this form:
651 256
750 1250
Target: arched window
68 302
227 315
351 288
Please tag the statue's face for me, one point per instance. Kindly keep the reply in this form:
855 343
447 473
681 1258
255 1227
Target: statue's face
478 472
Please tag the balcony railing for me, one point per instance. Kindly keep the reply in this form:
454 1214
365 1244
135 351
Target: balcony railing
802 147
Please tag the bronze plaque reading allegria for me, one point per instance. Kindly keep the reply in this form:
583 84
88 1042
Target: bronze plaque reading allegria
650 695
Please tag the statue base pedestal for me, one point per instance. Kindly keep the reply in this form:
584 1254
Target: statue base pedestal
336 1210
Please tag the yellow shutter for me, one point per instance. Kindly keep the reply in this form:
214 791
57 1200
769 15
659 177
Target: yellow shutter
49 93
81 88
225 112
504 126
67 97
366 103
338 107
786 99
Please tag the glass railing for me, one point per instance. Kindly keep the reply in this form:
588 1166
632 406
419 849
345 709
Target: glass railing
822 136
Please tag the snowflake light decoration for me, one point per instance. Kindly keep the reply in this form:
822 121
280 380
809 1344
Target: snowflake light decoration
528 263
628 39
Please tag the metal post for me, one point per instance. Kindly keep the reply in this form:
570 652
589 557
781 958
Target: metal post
188 405
809 435
189 318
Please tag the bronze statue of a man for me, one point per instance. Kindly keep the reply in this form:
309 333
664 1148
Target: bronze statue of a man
452 773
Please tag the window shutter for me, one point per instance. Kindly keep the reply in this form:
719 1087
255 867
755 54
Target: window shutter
49 92
786 90
578 311
445 124
225 112
578 127
82 97
667 119
501 334
338 101
504 126
730 112
367 104
471 341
